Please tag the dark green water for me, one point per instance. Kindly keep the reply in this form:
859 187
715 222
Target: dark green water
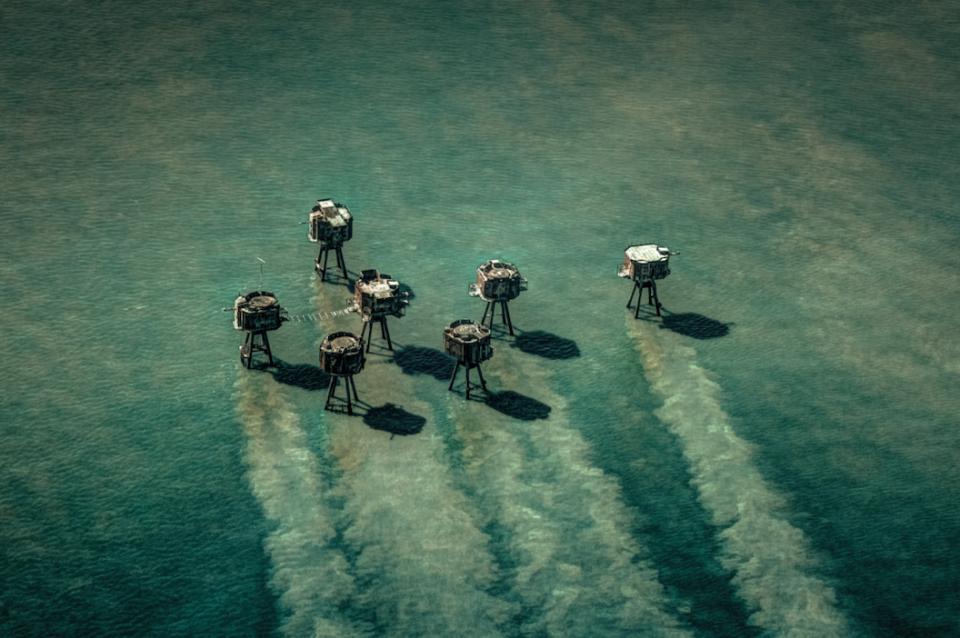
796 476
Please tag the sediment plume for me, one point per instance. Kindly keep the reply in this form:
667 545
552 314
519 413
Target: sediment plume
774 569
577 570
310 576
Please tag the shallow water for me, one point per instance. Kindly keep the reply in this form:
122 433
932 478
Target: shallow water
774 456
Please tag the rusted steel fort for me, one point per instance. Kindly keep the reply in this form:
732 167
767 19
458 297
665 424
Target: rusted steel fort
469 343
257 313
644 265
341 356
497 283
376 297
331 225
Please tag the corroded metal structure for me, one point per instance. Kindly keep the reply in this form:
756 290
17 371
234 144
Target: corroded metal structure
469 343
376 297
257 313
341 356
331 225
644 265
497 283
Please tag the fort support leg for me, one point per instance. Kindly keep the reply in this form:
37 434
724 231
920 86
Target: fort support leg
386 333
332 392
341 263
636 285
486 309
367 327
652 298
348 382
453 378
246 351
367 331
255 342
350 388
466 368
483 383
266 347
323 257
506 316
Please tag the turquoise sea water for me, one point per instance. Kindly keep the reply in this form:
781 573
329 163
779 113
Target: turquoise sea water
796 476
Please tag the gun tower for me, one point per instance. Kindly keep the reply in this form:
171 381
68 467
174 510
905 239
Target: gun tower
469 343
330 225
645 265
377 296
341 356
257 313
497 283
